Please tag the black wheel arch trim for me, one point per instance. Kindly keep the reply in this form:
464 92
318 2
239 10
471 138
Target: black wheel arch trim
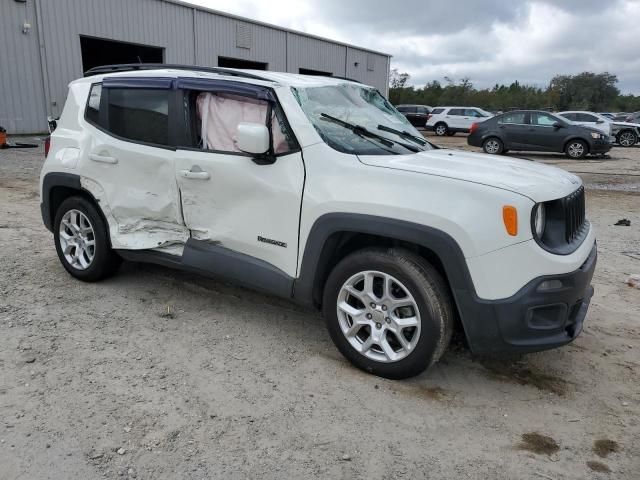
319 240
53 180
49 182
467 303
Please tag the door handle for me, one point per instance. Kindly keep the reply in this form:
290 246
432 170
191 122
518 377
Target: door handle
102 158
197 175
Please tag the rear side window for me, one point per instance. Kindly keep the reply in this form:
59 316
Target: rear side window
457 111
570 116
423 110
139 114
92 113
437 111
517 118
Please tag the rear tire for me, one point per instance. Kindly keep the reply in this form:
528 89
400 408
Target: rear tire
627 138
82 241
493 146
576 149
441 129
375 295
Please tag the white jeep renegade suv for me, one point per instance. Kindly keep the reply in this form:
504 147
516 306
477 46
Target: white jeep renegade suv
318 190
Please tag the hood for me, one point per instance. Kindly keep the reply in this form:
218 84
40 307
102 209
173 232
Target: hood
588 128
626 124
537 181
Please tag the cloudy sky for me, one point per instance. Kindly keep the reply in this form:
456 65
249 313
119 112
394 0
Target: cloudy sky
488 41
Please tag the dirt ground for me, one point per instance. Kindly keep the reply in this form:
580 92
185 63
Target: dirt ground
98 381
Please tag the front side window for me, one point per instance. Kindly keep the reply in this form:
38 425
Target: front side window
515 118
139 114
478 113
543 120
355 119
217 116
585 117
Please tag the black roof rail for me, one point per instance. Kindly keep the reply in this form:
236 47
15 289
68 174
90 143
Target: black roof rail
131 67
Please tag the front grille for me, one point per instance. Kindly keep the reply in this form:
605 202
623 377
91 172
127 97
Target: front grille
574 214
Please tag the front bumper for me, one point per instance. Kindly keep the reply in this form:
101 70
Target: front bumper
531 320
600 146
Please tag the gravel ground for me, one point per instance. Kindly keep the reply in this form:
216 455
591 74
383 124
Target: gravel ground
160 374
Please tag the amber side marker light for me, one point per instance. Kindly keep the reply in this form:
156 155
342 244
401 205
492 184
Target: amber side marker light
510 219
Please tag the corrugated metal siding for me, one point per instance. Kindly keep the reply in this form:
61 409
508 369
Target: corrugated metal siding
22 103
306 52
217 37
23 77
377 77
148 22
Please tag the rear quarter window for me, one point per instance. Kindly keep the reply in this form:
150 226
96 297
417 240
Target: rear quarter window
92 111
437 111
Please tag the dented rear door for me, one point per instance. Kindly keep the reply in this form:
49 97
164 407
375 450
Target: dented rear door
130 168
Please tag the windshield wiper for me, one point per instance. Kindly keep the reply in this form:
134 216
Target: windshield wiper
358 130
404 134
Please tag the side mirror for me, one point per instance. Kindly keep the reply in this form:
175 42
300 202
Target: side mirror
558 125
599 121
253 138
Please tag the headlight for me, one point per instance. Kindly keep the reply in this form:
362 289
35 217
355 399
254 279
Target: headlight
539 220
596 135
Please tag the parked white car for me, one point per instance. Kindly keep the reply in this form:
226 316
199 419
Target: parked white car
317 190
451 120
624 133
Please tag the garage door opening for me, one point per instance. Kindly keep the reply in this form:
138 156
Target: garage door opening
97 52
318 73
228 62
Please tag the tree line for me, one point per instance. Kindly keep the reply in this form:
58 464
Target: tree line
585 91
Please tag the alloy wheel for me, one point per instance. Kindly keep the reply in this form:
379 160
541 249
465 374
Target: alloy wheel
441 130
492 147
77 239
378 316
576 150
627 139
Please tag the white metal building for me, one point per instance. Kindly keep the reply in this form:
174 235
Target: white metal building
44 44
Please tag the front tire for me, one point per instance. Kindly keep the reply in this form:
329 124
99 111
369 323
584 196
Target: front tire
389 312
576 149
441 129
82 241
493 146
627 138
